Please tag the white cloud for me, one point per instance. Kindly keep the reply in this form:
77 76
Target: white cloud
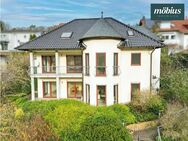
48 8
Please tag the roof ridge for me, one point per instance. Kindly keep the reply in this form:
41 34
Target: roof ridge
113 28
137 31
44 34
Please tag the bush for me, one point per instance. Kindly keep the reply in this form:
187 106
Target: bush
123 113
174 86
147 106
66 120
104 126
15 125
155 104
174 122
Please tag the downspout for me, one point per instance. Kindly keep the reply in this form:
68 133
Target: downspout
151 70
82 46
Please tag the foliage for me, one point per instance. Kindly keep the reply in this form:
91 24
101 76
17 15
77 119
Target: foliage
32 36
123 113
67 119
22 129
17 79
104 126
174 123
174 84
146 106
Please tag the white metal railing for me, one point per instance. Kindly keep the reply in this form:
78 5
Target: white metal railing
86 70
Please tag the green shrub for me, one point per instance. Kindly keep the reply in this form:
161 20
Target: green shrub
43 107
123 113
104 126
155 104
66 119
147 106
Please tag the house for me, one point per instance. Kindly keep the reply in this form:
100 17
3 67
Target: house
100 61
175 35
10 39
148 23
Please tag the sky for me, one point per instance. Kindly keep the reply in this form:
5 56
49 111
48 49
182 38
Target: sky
20 13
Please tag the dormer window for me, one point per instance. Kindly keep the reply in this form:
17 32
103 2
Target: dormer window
66 35
130 33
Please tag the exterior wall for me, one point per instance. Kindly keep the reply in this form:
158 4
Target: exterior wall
63 86
165 25
156 68
128 74
177 44
17 38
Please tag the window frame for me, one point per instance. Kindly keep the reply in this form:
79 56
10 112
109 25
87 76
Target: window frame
117 95
87 67
87 93
139 64
115 64
51 62
43 85
98 94
138 88
97 73
75 91
67 70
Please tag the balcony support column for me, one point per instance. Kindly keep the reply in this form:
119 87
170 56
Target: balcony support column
32 78
57 74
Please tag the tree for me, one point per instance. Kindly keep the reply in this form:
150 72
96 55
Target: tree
4 26
16 79
32 36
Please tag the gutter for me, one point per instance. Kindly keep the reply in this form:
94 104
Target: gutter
151 70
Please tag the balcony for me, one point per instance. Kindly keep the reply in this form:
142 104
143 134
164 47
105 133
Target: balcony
53 71
74 71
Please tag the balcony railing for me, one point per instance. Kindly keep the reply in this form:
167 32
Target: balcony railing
96 70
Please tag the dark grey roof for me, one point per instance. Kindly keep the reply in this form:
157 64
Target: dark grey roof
84 28
149 23
147 32
101 29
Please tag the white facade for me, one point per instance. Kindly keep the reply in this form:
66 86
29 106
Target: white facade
128 74
16 38
175 40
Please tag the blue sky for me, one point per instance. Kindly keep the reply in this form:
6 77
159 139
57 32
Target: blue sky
49 12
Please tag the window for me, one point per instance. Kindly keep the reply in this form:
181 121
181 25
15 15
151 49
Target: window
135 88
115 94
101 95
173 36
49 89
4 45
87 64
115 63
87 93
166 37
100 64
136 59
66 35
74 90
74 64
48 64
130 33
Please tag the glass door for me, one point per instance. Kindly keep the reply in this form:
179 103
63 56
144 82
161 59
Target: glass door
101 95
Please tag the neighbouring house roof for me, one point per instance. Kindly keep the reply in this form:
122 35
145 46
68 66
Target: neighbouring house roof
90 28
179 26
148 32
147 23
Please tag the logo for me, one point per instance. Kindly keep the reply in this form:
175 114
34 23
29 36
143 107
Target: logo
167 11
